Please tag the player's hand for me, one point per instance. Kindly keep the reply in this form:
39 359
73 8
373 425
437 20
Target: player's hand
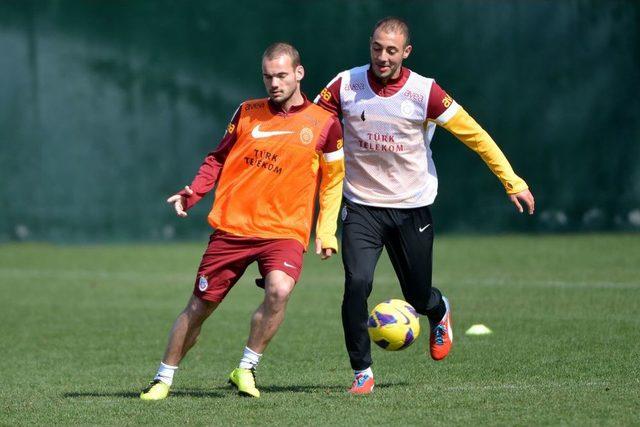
179 202
324 253
526 197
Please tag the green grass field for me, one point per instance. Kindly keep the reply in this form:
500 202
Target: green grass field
82 329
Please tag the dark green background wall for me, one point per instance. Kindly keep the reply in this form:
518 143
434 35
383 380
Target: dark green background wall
107 107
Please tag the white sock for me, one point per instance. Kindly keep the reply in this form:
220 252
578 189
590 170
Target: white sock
367 371
165 373
250 359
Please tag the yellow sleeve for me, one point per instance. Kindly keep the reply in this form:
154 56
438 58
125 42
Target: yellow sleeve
467 130
330 197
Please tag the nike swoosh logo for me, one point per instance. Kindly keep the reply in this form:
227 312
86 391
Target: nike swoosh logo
406 319
286 264
257 133
421 229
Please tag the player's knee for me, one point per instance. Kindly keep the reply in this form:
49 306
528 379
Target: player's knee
359 278
198 310
278 292
357 285
352 293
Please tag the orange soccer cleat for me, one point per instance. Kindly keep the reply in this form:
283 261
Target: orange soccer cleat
362 384
441 337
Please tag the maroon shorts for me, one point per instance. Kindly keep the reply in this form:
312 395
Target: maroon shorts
227 257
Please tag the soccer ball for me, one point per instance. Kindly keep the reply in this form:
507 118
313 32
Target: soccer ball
393 325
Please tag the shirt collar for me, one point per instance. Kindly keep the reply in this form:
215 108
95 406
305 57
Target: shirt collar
277 109
392 85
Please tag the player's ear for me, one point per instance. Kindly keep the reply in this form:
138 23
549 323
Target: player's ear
299 73
407 51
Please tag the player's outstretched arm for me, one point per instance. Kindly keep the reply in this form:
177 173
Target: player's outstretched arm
209 171
469 132
525 196
179 201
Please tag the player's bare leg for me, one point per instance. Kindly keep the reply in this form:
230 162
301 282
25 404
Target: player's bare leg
186 329
267 318
182 337
264 324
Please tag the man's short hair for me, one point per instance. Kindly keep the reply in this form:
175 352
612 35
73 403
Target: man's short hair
392 24
281 48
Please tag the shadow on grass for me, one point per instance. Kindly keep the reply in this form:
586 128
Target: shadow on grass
320 388
222 391
136 395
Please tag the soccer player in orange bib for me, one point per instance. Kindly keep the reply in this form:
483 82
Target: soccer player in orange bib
277 154
390 114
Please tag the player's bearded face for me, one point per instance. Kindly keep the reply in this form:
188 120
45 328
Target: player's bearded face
388 50
281 79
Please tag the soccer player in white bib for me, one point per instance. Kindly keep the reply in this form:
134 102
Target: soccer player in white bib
389 115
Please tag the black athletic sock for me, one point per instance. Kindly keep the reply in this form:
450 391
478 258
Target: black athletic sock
438 311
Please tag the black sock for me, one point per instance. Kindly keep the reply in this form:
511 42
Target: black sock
439 309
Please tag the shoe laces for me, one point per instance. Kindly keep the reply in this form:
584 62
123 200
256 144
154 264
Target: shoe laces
150 386
439 332
253 374
360 380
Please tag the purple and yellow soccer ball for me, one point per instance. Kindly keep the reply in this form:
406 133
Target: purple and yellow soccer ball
393 325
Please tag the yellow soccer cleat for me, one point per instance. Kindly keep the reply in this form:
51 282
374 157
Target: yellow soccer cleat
245 381
156 390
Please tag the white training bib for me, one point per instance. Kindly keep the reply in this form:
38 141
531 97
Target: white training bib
386 142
